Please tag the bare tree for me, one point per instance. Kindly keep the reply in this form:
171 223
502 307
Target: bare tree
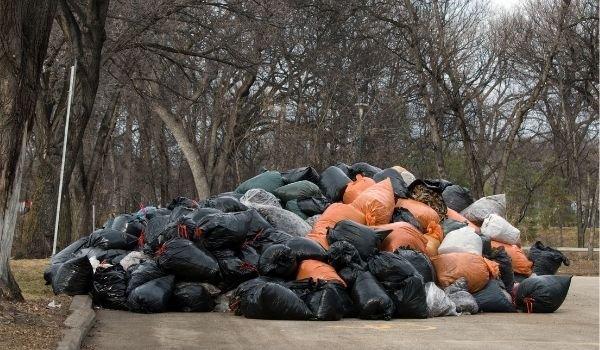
25 29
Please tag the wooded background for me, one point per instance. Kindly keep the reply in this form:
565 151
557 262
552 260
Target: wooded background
182 97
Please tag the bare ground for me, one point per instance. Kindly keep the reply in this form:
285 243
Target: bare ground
31 324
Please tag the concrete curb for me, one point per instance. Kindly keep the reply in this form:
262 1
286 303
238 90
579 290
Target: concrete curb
78 324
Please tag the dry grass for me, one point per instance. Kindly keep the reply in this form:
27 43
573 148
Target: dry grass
31 324
552 236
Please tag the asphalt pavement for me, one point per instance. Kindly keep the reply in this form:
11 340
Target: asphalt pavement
574 326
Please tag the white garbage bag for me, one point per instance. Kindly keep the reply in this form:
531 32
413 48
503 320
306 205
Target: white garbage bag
500 230
284 220
463 240
438 303
483 207
258 196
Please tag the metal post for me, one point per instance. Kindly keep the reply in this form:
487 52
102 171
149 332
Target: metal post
64 152
359 144
93 217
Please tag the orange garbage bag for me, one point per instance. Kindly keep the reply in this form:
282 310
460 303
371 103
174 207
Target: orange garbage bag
421 211
318 270
355 188
403 235
474 268
432 246
454 215
377 203
331 216
520 263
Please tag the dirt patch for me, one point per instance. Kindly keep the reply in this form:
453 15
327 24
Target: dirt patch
32 324
580 264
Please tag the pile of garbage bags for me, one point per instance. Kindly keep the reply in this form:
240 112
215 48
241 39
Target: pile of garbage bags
351 241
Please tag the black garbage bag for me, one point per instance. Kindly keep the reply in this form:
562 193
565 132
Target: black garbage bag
365 239
234 270
278 260
257 222
328 301
486 245
266 238
244 289
73 277
226 204
343 167
224 230
268 299
494 298
437 185
542 294
71 251
145 271
333 183
276 302
50 271
457 198
295 190
109 287
200 213
391 268
504 261
112 239
150 238
163 212
313 205
110 256
342 254
350 273
365 169
398 184
187 262
464 301
182 202
307 173
249 255
119 223
370 299
152 296
193 297
520 278
305 248
449 225
420 262
147 212
404 215
179 212
546 260
409 297
183 227
325 303
135 227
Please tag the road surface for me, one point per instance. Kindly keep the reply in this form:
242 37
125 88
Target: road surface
573 326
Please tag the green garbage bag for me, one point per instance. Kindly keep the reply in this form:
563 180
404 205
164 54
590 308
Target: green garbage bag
268 181
296 190
293 207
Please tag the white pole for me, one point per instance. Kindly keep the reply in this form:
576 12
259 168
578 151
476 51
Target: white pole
93 217
64 152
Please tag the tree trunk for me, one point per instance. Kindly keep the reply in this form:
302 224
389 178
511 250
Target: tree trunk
190 152
36 237
25 26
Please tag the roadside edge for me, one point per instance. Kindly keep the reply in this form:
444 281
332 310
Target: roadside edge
78 324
